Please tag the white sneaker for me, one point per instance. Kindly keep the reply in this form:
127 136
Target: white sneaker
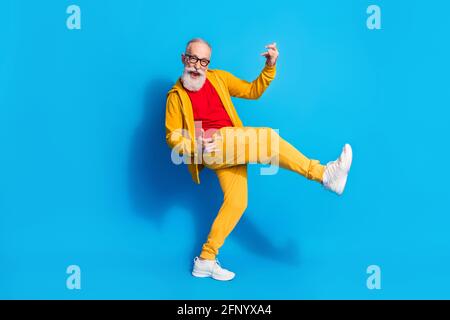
211 268
336 172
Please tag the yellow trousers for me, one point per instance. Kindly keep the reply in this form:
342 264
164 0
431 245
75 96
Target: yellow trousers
238 147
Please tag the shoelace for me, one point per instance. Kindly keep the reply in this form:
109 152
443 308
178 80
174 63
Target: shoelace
217 261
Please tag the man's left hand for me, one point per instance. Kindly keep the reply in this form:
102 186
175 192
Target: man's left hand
271 54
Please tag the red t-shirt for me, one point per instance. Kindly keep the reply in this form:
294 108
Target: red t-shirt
208 108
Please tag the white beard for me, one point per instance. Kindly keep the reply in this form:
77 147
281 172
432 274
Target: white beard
190 83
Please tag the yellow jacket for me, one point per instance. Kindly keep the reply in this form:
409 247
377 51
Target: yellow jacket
180 129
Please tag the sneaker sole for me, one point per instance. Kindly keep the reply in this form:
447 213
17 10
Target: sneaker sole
200 274
208 275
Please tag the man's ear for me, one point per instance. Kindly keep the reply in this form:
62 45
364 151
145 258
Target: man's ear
182 58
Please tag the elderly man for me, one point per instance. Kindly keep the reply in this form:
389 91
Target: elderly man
204 128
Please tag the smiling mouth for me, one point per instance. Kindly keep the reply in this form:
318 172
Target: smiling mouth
194 74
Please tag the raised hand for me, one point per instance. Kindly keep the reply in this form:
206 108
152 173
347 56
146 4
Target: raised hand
271 54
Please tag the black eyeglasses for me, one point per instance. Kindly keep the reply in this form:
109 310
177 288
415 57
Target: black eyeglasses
194 59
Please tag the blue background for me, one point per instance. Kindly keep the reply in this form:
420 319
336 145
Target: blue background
86 177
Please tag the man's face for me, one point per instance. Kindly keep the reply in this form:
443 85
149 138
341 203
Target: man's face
196 61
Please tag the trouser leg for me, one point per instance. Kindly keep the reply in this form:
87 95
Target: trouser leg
242 145
233 181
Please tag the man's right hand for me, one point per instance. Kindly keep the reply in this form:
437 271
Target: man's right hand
208 144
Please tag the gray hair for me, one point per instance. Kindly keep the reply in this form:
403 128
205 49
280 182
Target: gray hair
198 40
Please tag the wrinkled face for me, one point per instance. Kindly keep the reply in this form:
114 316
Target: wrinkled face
196 61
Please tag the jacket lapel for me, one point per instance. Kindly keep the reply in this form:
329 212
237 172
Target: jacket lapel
186 106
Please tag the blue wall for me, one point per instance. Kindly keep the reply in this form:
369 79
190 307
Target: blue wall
86 177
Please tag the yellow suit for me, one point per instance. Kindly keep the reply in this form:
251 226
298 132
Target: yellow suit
180 134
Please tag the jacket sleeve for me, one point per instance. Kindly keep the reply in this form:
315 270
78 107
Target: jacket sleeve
176 136
249 90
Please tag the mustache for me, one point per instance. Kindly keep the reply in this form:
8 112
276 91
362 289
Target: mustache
193 69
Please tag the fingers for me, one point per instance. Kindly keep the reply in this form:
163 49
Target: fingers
267 54
211 147
203 140
211 150
271 50
210 144
272 47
